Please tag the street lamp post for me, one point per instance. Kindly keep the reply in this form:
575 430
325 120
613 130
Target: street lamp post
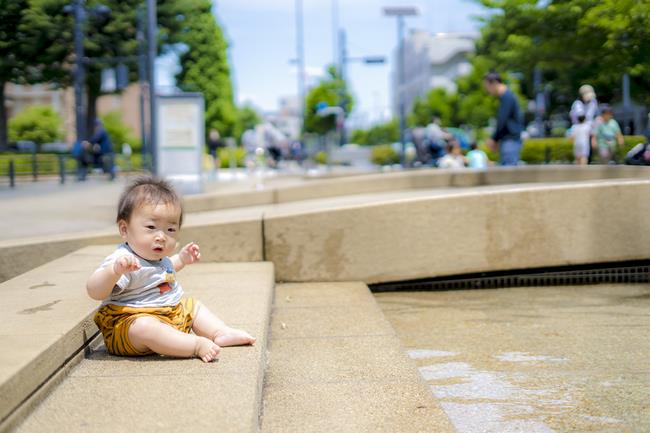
79 76
344 59
400 12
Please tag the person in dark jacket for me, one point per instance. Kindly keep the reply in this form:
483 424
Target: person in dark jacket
102 143
507 134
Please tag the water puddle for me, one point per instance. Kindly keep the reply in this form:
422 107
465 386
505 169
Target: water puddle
483 401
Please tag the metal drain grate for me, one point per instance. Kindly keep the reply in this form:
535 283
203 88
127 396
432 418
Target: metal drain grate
610 273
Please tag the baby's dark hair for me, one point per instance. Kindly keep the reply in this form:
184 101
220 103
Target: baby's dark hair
147 190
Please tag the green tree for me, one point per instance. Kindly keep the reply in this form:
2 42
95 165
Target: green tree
247 118
11 59
48 40
437 103
38 123
205 68
383 133
119 132
572 42
332 91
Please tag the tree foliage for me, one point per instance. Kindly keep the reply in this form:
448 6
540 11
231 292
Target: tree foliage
384 133
38 123
47 40
205 68
332 91
120 132
572 42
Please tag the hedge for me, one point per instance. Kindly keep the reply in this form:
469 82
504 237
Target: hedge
534 150
384 154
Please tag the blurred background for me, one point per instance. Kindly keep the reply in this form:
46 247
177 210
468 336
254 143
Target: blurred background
309 83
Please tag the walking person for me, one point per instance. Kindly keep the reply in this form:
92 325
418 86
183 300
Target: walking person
586 105
607 136
507 134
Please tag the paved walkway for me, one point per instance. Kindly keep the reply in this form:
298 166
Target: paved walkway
47 207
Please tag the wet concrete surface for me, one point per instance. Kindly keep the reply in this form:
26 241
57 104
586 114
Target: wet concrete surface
532 360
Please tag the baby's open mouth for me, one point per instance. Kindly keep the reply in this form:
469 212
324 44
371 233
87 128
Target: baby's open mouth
158 249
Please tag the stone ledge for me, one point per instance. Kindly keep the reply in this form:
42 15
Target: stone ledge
530 226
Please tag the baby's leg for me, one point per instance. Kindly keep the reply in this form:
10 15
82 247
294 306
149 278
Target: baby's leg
206 324
148 333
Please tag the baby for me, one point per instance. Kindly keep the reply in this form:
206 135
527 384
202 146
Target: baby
143 309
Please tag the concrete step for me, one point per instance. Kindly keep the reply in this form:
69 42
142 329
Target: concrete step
336 365
47 317
148 393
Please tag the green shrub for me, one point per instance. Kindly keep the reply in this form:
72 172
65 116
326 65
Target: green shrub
38 123
561 149
224 156
321 157
119 132
384 154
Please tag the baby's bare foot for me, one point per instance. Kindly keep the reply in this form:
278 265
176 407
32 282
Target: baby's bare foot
233 337
206 350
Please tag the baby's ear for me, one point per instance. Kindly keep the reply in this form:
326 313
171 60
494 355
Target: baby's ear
121 226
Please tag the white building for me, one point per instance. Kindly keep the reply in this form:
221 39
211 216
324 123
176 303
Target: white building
430 61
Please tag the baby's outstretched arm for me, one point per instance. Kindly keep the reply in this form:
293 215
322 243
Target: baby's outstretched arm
189 254
101 282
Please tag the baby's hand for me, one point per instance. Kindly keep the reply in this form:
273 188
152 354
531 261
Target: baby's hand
126 263
189 254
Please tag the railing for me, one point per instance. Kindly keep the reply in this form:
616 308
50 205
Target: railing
34 166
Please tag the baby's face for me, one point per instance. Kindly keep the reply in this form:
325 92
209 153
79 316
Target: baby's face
152 230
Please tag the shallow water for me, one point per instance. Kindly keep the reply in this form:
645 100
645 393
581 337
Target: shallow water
532 360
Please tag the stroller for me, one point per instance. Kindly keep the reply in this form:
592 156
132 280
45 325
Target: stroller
638 155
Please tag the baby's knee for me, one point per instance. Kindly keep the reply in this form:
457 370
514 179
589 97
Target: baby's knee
143 327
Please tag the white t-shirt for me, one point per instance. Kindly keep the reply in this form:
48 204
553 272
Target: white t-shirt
153 285
451 161
581 134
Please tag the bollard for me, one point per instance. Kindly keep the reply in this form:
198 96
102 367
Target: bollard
12 174
62 169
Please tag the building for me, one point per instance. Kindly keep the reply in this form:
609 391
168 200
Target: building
430 61
18 97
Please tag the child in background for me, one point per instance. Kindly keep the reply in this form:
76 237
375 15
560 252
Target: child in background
476 158
607 136
143 309
581 135
454 157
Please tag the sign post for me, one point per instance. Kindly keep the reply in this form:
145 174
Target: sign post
180 139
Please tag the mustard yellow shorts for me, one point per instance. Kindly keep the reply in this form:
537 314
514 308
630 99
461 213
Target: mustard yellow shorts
114 322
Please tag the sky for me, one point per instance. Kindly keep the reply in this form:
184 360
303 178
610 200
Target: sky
262 39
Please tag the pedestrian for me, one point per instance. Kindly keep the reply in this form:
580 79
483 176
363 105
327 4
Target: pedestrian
143 309
214 144
102 144
476 158
586 105
507 134
607 136
581 136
